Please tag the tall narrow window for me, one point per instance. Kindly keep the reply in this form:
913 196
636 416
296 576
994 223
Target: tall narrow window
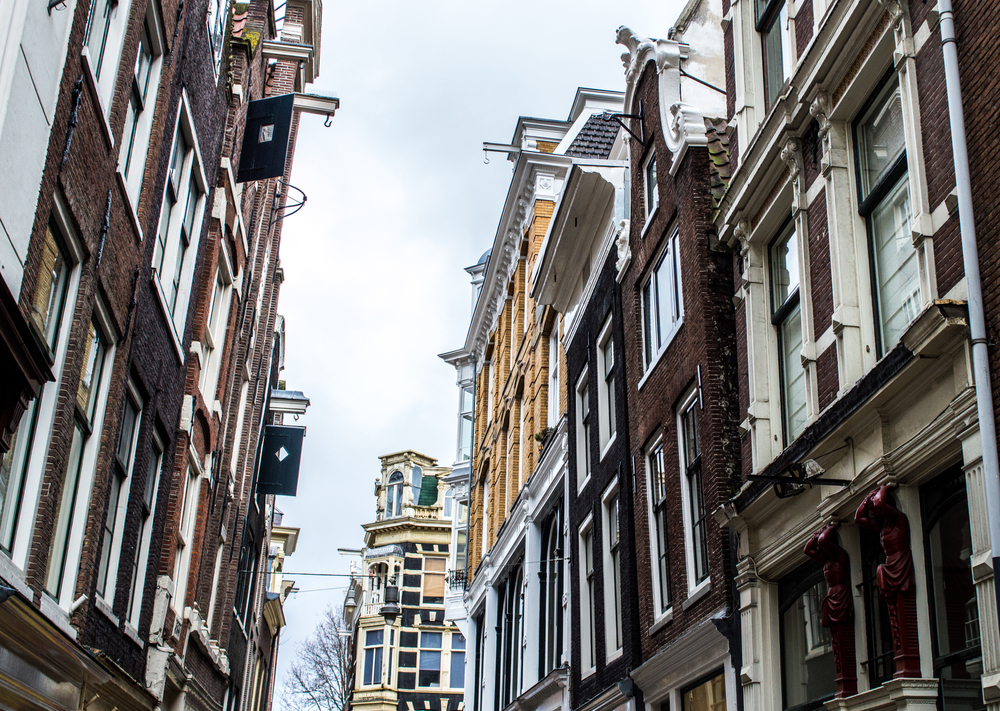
128 436
582 430
510 631
456 674
612 573
884 191
606 399
189 515
140 559
808 673
429 671
661 539
80 466
485 548
489 390
373 657
461 535
215 328
879 665
652 192
218 14
523 472
465 424
776 44
662 308
695 515
550 573
143 85
588 631
394 496
103 38
787 319
434 575
553 394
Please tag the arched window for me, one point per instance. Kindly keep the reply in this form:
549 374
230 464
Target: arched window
394 496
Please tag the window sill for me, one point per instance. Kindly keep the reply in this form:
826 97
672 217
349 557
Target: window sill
608 659
14 576
105 609
650 218
659 355
133 634
133 215
607 446
161 299
56 615
91 80
698 593
662 621
583 484
588 672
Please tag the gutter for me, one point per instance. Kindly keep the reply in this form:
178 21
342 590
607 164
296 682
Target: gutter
977 320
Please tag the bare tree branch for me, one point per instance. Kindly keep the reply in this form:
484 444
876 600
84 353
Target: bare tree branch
320 677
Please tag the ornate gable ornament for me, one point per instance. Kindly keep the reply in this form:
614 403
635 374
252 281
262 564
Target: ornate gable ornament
682 124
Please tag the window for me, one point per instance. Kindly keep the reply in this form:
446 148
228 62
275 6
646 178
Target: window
461 535
787 319
657 487
103 38
510 486
429 671
509 633
885 204
449 502
434 575
551 588
776 41
215 328
456 675
612 572
553 376
144 82
180 223
150 488
662 309
49 317
486 520
466 424
189 515
216 19
588 631
394 496
373 657
114 520
88 415
958 656
880 664
693 492
652 193
489 390
582 430
808 673
606 394
522 446
709 695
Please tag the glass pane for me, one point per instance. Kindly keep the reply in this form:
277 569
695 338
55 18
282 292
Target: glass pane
647 320
50 289
792 373
652 196
127 433
784 267
457 676
665 306
774 62
152 469
897 280
710 696
880 137
430 640
177 162
144 62
66 505
806 652
457 641
692 441
90 378
12 469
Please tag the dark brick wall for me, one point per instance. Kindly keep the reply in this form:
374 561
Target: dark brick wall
582 353
827 377
707 342
803 26
821 281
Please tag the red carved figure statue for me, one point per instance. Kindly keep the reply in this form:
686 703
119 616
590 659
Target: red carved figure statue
896 580
838 606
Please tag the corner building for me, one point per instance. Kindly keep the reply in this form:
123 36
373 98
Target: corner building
862 527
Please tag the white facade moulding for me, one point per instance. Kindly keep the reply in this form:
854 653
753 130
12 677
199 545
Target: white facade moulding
315 104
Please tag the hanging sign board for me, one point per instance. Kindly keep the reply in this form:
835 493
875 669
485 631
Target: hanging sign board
265 138
279 460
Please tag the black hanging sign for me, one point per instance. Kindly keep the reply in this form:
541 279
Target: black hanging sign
265 138
279 460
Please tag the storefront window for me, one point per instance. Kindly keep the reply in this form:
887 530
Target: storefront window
709 695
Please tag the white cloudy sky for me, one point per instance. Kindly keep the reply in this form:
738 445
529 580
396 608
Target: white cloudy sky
400 202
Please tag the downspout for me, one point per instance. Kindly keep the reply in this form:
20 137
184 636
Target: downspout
970 256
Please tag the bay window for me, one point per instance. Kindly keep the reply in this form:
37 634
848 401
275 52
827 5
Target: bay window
786 315
884 192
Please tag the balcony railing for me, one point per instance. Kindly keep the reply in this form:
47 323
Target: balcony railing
457 579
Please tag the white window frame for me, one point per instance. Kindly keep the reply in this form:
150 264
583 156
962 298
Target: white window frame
654 343
37 422
553 394
690 401
186 530
466 420
588 630
377 650
216 323
605 389
167 251
583 424
663 603
104 63
64 580
112 555
613 629
782 316
134 611
134 147
216 21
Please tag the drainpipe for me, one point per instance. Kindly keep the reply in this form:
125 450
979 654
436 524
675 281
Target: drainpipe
970 256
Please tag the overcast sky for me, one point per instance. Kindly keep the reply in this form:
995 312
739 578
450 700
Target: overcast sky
399 202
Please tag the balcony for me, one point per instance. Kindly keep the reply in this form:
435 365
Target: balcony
457 580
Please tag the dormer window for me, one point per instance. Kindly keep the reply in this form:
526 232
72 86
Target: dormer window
394 496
